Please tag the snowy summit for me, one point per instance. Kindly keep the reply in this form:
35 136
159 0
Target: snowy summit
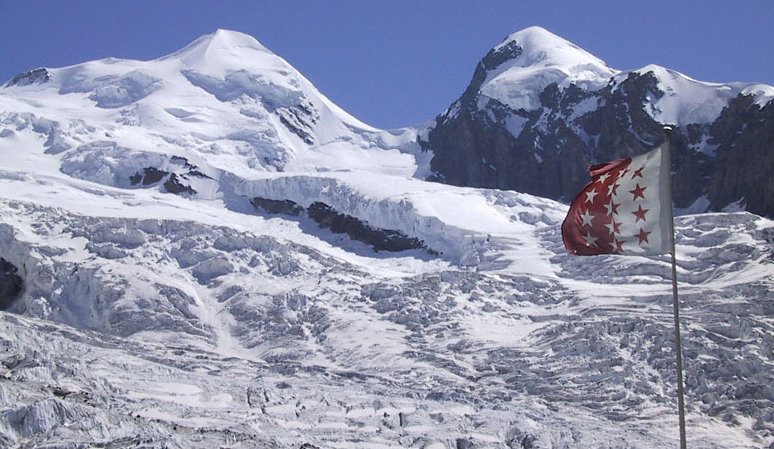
537 58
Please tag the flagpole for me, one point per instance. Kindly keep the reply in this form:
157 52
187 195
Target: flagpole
675 300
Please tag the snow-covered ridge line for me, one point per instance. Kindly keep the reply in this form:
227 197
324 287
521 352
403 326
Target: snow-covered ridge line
526 62
685 100
225 98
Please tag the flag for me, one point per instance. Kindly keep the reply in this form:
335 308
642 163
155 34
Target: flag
625 209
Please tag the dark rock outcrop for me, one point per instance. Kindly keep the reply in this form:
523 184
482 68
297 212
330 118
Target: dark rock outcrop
380 239
174 182
11 284
744 159
35 76
300 119
176 185
149 175
328 218
277 206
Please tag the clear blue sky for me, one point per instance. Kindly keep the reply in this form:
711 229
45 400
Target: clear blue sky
395 63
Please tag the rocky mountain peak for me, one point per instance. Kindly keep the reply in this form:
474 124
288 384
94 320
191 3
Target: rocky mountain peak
539 110
515 71
35 76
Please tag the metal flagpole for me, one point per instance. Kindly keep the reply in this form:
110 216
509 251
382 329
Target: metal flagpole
675 301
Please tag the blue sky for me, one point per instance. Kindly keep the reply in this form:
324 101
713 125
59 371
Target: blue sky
399 62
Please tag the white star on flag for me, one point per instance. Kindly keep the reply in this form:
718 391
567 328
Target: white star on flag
590 195
590 241
586 217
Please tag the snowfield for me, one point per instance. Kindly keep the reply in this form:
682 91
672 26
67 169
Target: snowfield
180 287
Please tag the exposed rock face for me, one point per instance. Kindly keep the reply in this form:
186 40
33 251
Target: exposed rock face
482 141
11 284
329 218
300 120
149 175
177 183
744 163
35 76
277 206
380 239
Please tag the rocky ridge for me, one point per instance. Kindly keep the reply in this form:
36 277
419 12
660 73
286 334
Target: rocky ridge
580 112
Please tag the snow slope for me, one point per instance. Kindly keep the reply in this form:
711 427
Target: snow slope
224 98
688 101
161 309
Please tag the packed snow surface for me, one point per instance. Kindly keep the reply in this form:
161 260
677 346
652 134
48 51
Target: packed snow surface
160 308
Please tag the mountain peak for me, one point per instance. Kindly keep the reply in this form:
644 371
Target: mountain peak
220 44
540 47
533 34
232 39
524 63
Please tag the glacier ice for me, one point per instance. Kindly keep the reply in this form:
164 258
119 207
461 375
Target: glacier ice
140 318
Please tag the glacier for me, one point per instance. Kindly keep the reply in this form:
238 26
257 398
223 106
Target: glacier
160 308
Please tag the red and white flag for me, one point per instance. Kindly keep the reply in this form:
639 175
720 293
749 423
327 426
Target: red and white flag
625 209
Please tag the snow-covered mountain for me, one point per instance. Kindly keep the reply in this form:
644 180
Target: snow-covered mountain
539 110
203 251
224 98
